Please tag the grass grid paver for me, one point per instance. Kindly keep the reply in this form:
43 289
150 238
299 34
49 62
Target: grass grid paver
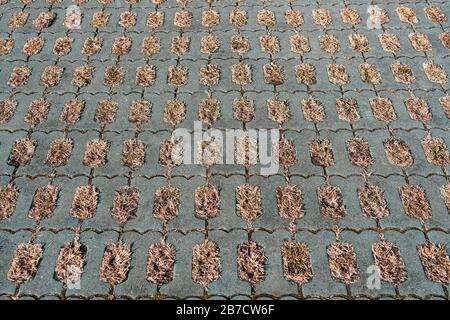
97 203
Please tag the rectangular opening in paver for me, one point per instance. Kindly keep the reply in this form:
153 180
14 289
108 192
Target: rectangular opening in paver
305 73
445 194
278 110
209 44
300 44
248 201
125 205
44 202
296 262
209 110
313 110
337 74
435 72
359 152
166 203
342 262
206 266
84 203
207 202
389 42
21 152
59 153
7 109
383 109
209 74
33 46
372 201
435 261
287 154
8 199
415 202
273 74
243 110
397 152
63 46
402 73
347 109
70 262
180 45
116 263
321 152
331 202
82 76
133 153
19 76
72 111
389 262
140 111
245 151
25 262
37 111
95 154
290 202
251 262
174 112
114 76
171 153
329 43
115 81
418 109
369 73
436 151
51 76
160 263
145 76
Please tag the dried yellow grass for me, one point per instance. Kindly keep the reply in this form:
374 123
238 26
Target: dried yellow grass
398 153
313 110
331 202
174 112
435 261
206 266
125 205
8 199
389 262
296 262
160 263
383 109
299 44
95 154
290 202
19 76
251 262
343 263
25 262
415 202
84 204
248 201
372 201
82 76
116 263
166 203
133 153
44 202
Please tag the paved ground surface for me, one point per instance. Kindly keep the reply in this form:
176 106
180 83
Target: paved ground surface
79 197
